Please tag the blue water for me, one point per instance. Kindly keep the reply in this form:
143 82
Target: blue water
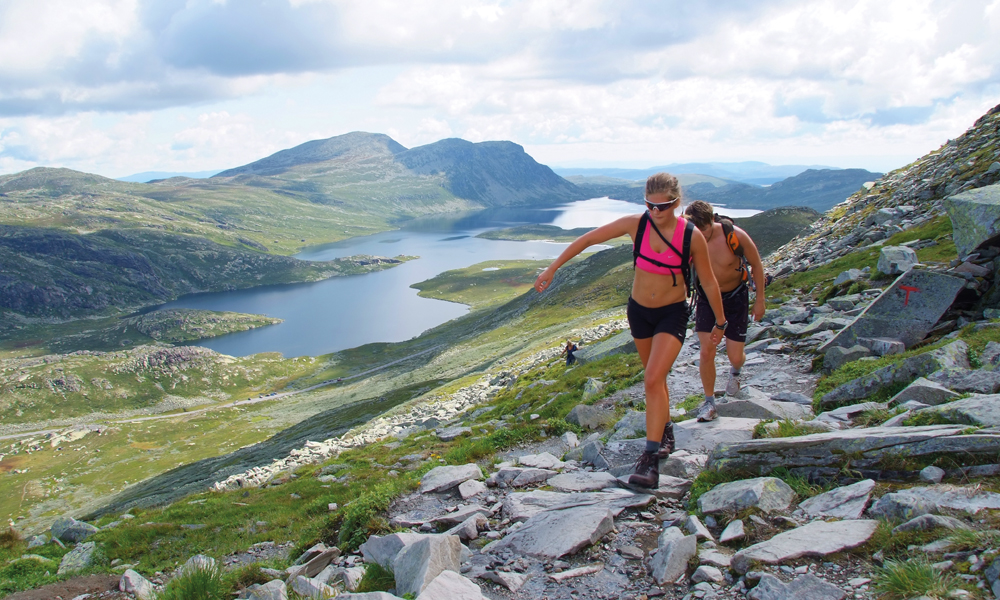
346 312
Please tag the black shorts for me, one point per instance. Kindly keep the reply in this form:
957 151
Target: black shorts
735 305
644 322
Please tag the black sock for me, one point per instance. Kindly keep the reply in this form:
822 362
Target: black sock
652 446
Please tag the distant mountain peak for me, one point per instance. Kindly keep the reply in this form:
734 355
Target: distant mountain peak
356 145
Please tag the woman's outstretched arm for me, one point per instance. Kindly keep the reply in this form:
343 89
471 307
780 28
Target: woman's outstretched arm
706 277
623 226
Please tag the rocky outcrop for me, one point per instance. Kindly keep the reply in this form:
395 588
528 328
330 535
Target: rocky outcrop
975 214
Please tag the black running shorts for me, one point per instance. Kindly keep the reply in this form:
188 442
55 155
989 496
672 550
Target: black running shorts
644 322
735 304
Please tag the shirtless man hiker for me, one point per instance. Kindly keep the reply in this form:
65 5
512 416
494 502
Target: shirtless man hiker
733 283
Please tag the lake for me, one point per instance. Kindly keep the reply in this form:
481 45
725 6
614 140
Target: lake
346 312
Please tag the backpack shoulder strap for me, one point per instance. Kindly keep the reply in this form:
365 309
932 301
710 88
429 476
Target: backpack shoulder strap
639 233
730 232
686 254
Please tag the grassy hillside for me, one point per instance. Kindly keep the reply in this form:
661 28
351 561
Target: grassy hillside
483 284
816 189
773 228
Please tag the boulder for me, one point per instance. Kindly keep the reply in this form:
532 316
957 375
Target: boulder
707 573
904 311
621 343
882 346
753 404
592 388
898 506
72 531
521 506
445 477
932 474
983 411
953 356
733 532
419 563
582 481
554 533
795 397
841 303
683 465
924 391
967 380
449 585
970 499
975 217
200 562
929 522
455 517
764 493
589 417
671 559
471 488
312 589
698 437
851 412
695 527
806 587
893 260
837 356
668 488
845 502
848 275
137 585
856 448
447 434
510 580
591 452
818 538
78 558
272 590
543 460
469 528
632 425
383 549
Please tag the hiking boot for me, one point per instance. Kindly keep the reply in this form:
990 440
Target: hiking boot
667 443
647 473
733 385
707 412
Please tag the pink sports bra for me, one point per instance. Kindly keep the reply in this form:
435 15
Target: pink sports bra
668 257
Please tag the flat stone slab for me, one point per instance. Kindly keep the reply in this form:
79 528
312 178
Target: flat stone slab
701 438
464 512
443 478
672 488
753 404
806 587
521 506
983 411
972 381
543 460
975 216
865 447
555 533
622 343
765 493
904 311
845 502
968 499
818 538
582 481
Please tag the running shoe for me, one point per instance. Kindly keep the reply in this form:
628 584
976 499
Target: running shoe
707 412
667 443
647 473
733 385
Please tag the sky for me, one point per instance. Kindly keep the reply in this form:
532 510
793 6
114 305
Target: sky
116 87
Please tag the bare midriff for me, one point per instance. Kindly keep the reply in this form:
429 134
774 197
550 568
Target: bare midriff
653 290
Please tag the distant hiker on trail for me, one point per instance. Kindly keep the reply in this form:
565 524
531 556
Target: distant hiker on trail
732 255
663 248
568 351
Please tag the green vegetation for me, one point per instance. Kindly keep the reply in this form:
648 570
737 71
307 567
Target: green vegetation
785 428
197 584
536 232
773 228
484 284
904 579
185 325
376 579
690 405
876 416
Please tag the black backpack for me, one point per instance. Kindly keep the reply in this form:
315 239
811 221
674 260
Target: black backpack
684 253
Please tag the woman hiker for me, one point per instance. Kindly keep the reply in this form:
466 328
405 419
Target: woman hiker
657 309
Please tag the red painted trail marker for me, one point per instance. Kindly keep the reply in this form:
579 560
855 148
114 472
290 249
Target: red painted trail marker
908 289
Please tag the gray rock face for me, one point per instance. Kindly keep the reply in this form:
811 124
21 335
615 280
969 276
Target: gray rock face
554 533
765 493
521 506
78 558
953 356
443 478
904 311
818 538
419 563
383 549
449 585
866 447
902 507
928 522
837 356
70 530
583 481
845 502
893 260
272 590
983 411
924 391
975 217
137 585
700 438
589 417
806 587
621 343
753 404
672 558
967 380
